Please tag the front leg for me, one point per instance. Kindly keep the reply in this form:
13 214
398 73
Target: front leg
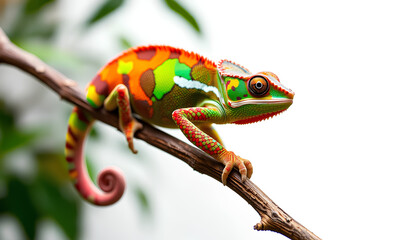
183 118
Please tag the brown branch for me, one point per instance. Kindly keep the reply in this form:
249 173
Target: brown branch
272 217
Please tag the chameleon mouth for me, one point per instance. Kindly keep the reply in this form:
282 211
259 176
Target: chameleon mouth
260 101
259 118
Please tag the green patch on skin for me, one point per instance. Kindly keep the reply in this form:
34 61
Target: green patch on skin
124 67
237 89
182 70
277 94
92 103
76 122
164 76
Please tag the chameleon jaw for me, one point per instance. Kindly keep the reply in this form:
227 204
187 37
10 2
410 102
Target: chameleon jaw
258 118
284 101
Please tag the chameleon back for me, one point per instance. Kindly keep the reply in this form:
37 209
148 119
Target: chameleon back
160 79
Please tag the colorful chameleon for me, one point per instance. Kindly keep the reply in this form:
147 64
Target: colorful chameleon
171 87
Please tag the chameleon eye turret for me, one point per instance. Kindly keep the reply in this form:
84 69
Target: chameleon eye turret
171 87
258 86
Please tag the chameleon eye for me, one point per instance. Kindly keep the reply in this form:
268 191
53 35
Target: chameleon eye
258 86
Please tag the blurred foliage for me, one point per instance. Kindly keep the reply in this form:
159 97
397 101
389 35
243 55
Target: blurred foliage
143 200
31 24
124 42
179 9
44 196
47 192
105 9
14 136
109 6
33 6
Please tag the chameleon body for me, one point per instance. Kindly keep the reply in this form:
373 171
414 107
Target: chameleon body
172 88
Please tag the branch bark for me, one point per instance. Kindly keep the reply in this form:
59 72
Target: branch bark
272 217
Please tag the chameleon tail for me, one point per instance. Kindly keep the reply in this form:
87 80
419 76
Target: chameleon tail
110 180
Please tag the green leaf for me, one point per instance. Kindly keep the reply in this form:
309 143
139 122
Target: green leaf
62 208
143 200
104 10
18 202
32 27
15 139
11 137
125 43
31 22
176 7
33 6
52 193
51 164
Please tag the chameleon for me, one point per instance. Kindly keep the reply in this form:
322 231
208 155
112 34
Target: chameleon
173 88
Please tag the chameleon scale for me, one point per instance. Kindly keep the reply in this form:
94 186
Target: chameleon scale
171 87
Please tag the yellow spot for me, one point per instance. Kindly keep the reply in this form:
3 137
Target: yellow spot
93 96
68 152
233 83
70 140
124 67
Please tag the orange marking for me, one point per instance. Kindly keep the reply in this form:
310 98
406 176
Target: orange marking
110 75
140 66
73 174
188 59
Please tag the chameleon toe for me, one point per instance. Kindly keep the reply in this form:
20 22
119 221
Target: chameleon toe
226 171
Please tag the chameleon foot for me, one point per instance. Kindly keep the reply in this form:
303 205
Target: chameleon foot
231 160
129 129
120 98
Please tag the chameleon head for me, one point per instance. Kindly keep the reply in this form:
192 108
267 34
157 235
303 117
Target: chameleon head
250 97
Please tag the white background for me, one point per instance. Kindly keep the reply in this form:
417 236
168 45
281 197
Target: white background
343 160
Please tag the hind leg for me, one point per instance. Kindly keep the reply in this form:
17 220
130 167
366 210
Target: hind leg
120 98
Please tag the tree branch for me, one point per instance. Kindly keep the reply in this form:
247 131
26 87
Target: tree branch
272 217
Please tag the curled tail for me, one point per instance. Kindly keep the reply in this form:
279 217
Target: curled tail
110 180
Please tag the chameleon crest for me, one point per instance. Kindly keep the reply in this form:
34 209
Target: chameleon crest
173 88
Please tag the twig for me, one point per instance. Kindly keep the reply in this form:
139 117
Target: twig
272 217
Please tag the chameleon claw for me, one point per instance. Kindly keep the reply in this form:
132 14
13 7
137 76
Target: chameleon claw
249 167
245 168
226 171
232 160
129 129
131 146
